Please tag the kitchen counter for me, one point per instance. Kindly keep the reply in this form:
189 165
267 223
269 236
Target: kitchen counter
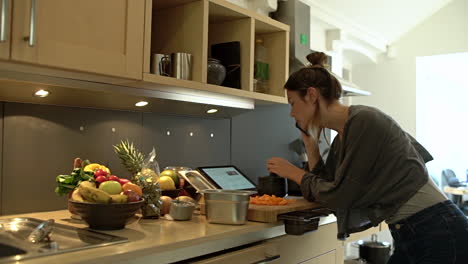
161 240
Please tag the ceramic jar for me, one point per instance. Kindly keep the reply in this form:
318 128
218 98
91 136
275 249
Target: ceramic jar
216 72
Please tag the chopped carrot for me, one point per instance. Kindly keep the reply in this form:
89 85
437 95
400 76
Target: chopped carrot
270 200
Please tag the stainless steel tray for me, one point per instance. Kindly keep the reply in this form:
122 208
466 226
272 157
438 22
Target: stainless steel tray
14 244
198 181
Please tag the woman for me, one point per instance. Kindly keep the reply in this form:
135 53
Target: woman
374 172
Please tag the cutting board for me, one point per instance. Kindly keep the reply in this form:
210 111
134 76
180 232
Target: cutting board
268 213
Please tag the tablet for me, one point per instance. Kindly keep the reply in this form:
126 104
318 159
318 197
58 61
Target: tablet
227 177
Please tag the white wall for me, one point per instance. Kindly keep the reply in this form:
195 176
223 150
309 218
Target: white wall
393 81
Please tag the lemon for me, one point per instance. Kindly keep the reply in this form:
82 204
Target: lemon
166 183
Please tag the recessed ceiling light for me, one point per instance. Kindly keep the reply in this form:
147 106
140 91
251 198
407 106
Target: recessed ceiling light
141 103
42 93
212 111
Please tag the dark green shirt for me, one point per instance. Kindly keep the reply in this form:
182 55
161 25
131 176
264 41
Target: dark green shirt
370 173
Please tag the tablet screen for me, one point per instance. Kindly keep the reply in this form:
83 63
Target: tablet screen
228 178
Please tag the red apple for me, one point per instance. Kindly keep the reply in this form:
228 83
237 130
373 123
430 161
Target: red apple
123 181
113 178
100 172
132 196
100 179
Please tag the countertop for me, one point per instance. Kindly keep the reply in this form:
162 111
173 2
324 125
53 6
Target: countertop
161 240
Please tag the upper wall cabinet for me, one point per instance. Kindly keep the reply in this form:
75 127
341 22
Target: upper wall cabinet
5 23
106 49
195 26
104 36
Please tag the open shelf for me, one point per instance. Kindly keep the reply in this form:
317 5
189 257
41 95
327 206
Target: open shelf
228 25
193 26
276 42
222 11
178 86
179 27
163 4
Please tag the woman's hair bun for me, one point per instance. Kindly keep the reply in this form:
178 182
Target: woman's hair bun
317 59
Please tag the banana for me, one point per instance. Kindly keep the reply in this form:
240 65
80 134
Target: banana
76 196
88 184
92 194
119 198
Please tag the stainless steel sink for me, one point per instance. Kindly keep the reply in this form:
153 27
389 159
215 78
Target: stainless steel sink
14 244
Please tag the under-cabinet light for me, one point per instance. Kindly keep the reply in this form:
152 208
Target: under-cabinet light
42 93
212 111
141 103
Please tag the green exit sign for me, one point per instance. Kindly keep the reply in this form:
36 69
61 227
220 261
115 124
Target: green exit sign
303 39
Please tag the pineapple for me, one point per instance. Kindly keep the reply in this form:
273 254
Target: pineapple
131 157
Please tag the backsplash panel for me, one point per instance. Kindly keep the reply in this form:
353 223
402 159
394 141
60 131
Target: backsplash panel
209 143
260 135
40 142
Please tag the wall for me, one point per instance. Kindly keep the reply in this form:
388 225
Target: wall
40 142
392 82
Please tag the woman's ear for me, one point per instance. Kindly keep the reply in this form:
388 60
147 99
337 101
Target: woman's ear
312 95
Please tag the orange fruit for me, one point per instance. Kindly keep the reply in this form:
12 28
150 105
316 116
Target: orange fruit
133 187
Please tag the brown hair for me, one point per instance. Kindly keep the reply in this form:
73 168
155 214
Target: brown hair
317 76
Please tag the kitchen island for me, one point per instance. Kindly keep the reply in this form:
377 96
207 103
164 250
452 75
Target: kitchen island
164 241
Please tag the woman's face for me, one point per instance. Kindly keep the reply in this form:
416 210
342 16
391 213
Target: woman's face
303 109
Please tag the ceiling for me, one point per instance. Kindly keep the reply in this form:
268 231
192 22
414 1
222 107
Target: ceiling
387 20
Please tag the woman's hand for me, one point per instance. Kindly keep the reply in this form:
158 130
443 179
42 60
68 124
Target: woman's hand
285 169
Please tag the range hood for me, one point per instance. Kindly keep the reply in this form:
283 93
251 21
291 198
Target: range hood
297 15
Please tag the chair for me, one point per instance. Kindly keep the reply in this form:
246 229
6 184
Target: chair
450 179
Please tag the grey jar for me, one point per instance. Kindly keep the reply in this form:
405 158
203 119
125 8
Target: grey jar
216 72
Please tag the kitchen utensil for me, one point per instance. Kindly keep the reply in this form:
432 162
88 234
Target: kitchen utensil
272 185
374 251
161 64
181 210
106 216
182 65
227 206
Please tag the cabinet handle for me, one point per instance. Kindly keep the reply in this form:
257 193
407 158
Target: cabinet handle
32 25
3 20
267 260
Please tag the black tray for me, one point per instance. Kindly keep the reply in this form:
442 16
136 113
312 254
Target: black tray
299 222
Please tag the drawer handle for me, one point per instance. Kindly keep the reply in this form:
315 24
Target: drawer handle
32 26
267 260
3 21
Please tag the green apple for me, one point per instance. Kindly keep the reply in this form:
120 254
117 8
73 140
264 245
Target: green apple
111 187
172 174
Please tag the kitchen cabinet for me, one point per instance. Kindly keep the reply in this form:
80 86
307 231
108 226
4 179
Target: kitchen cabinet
104 37
193 26
5 23
320 246
327 258
103 49
262 253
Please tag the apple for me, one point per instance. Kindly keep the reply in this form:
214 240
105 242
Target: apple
100 172
111 187
100 179
132 196
113 178
123 181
